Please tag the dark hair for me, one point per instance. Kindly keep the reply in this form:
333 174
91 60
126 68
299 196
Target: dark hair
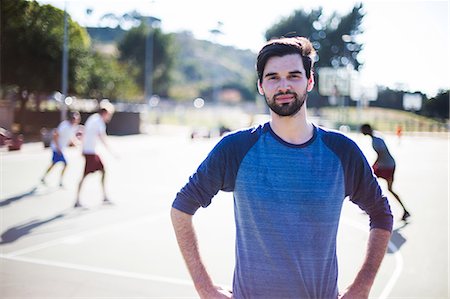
366 129
285 46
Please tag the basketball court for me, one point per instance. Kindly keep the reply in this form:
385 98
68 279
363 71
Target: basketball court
128 250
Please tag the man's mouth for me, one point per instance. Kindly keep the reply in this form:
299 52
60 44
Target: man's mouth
284 98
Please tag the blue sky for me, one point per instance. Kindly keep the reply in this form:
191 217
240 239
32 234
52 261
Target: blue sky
406 43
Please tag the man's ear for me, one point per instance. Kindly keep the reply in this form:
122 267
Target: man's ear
260 89
310 83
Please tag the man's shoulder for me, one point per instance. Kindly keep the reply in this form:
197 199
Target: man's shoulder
90 119
245 132
333 135
377 139
63 125
338 142
93 117
238 142
94 120
243 136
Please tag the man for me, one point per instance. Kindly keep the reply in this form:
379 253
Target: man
289 179
94 131
63 135
384 166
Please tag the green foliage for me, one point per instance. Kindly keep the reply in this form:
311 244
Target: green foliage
334 38
32 40
183 68
132 52
389 98
300 23
201 65
437 107
103 76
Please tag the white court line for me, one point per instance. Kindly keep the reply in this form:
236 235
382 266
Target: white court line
14 256
398 260
99 270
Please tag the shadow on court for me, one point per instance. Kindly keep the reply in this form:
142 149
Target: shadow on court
14 233
10 200
397 239
35 191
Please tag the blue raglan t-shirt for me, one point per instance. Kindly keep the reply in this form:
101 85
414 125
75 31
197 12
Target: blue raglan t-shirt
287 204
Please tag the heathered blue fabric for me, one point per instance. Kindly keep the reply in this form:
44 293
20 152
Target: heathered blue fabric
287 201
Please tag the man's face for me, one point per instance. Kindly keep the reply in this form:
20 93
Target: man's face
284 84
107 117
76 120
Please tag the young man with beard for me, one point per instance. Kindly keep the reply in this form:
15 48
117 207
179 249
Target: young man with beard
289 179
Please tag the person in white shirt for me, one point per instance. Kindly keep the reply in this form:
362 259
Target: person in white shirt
63 135
94 131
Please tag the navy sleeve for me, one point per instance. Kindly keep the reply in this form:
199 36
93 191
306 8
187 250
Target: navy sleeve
361 186
217 172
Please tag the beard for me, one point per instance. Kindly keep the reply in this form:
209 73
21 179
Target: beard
287 109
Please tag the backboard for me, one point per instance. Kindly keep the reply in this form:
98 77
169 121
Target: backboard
338 82
412 101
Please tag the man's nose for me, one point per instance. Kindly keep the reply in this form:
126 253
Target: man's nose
284 85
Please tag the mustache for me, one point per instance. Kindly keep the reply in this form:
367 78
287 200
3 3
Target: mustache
285 93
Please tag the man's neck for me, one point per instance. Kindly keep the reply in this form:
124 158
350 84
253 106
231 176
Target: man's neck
294 129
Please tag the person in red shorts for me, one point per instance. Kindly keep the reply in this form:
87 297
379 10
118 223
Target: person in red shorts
384 166
94 131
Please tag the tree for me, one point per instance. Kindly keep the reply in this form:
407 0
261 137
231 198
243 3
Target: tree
301 23
132 52
437 107
389 98
104 76
334 38
31 39
203 67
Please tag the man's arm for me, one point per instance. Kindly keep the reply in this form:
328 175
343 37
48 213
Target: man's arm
75 140
55 137
187 241
104 139
376 249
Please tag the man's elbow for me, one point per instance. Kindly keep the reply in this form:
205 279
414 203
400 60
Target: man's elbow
383 221
178 216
